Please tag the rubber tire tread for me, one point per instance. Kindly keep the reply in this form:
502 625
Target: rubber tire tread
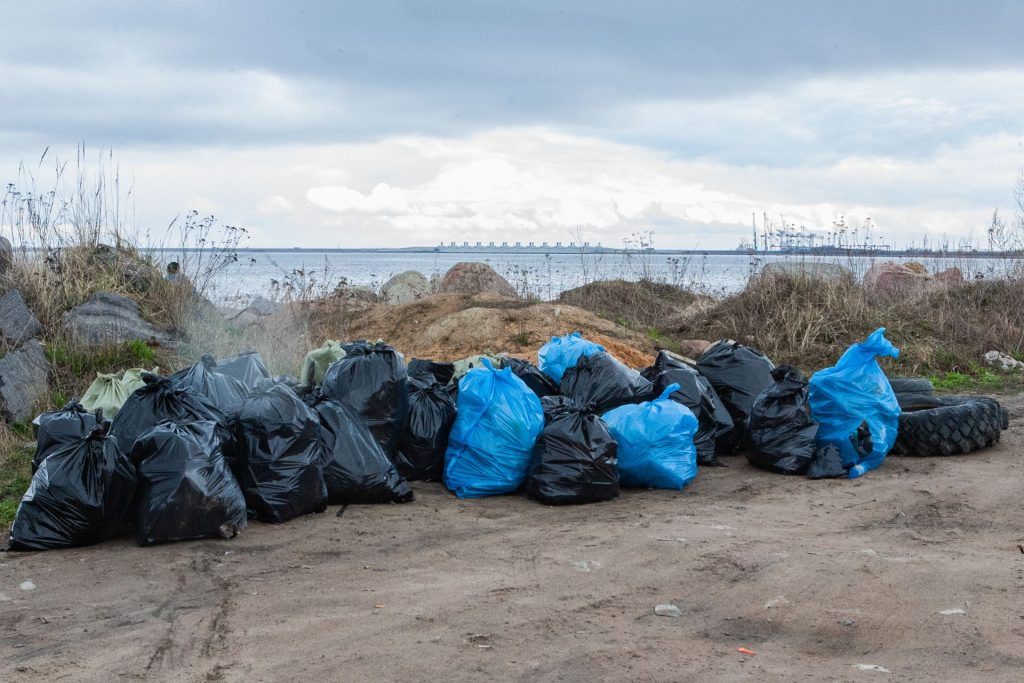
912 385
947 425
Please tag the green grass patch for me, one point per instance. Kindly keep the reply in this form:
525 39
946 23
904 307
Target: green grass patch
15 476
976 379
88 360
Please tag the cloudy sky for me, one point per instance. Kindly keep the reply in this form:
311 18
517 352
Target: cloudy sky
392 123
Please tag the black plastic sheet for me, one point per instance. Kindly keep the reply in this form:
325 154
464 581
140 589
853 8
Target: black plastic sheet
248 368
59 427
186 489
574 460
738 375
539 383
356 469
81 494
600 382
161 400
697 394
782 433
371 379
430 371
420 452
223 391
280 457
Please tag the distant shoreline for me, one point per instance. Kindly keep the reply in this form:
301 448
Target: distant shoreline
598 251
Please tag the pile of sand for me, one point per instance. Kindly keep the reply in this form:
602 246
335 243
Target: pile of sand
453 326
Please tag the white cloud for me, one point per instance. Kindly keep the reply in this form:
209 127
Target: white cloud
274 204
383 199
539 183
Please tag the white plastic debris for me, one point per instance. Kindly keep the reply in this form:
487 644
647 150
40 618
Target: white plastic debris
953 610
872 667
27 585
667 610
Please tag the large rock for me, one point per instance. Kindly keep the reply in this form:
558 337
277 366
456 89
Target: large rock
6 256
812 270
405 288
17 323
693 348
262 306
475 278
950 276
112 319
24 381
894 279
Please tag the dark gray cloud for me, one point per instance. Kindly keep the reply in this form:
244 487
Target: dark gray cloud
207 73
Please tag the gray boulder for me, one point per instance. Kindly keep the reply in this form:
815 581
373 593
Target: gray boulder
24 381
405 287
6 256
812 270
112 319
263 306
17 322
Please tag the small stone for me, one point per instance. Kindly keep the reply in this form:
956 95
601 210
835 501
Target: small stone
667 610
27 585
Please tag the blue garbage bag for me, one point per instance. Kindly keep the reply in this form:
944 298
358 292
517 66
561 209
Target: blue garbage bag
853 393
498 421
561 353
655 442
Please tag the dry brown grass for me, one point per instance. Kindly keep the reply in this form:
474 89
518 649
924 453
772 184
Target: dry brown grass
810 322
642 304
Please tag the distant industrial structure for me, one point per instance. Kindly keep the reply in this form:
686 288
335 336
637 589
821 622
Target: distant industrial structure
543 247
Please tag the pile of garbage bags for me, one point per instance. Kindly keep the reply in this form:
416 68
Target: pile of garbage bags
200 453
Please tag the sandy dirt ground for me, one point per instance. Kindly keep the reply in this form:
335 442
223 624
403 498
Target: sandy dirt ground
912 573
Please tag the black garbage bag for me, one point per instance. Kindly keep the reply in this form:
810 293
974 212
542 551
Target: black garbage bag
697 394
58 427
782 433
574 460
81 494
186 489
371 379
738 375
419 455
827 463
537 381
224 391
431 371
280 457
159 400
355 467
600 382
248 368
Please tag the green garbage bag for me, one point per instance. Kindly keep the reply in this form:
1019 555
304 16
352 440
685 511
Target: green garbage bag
466 364
132 378
106 393
318 360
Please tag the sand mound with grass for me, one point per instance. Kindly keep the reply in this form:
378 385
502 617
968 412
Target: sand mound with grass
453 326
